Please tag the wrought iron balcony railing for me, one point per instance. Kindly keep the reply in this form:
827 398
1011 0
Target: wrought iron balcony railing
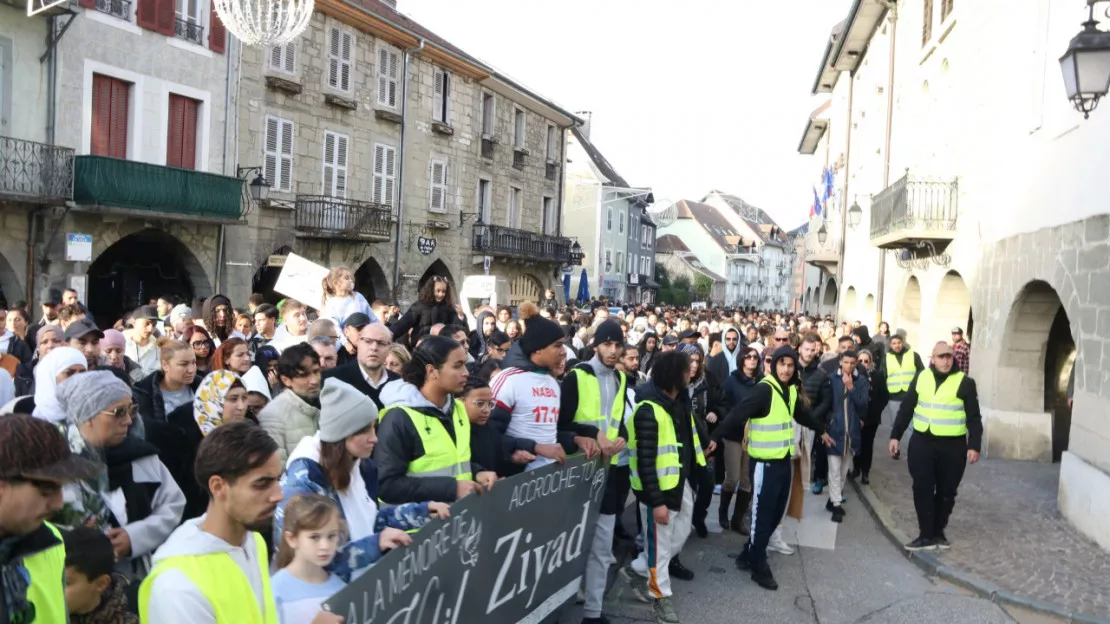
914 208
35 172
324 216
507 242
189 31
115 8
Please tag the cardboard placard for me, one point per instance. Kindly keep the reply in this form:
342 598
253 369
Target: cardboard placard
303 280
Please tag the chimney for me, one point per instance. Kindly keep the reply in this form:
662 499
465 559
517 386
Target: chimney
586 116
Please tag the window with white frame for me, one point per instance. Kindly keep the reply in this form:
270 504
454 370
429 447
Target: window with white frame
549 215
620 221
389 69
190 11
335 164
278 157
485 200
339 59
619 266
552 145
385 174
609 219
518 129
514 207
438 195
608 260
488 113
441 100
634 263
283 58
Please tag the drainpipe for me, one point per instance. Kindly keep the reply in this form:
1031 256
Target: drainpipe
847 179
51 75
221 237
401 171
886 147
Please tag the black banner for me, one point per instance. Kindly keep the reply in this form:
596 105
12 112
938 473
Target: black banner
514 554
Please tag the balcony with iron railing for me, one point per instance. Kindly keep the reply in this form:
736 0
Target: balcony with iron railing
35 172
506 242
321 216
189 30
105 182
915 209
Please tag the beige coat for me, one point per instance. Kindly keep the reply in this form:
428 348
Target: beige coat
287 419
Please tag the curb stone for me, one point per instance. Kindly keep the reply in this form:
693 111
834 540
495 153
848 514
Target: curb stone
934 566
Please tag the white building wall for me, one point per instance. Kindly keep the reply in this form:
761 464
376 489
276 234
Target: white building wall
23 92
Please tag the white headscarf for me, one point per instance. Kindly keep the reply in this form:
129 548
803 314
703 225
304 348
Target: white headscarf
46 386
731 355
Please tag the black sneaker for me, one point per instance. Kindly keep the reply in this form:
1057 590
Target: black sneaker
601 619
742 561
766 580
829 505
921 543
838 514
700 528
679 571
865 479
942 542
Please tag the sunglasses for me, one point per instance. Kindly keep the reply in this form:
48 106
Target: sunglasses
781 339
123 411
201 345
751 356
439 279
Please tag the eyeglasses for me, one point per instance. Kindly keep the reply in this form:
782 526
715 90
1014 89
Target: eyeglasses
370 341
768 360
483 405
123 411
201 345
751 356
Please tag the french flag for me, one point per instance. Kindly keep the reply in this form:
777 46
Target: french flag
817 209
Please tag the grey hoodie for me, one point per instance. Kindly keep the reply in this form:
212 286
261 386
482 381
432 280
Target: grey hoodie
174 599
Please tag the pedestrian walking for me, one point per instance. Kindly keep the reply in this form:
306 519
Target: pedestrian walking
947 432
902 366
850 395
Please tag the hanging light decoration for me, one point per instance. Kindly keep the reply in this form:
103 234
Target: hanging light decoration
265 23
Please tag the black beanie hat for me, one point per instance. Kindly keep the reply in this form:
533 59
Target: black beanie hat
608 330
539 333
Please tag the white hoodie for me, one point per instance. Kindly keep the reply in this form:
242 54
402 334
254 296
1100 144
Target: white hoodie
174 599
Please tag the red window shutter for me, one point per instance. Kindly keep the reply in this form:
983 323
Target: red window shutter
189 114
117 140
167 16
217 32
146 14
101 115
173 140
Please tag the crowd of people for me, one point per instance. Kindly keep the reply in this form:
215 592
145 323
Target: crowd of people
303 440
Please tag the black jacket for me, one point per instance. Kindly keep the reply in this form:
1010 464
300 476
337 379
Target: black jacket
707 396
815 382
177 440
758 405
967 392
351 374
420 319
737 386
147 395
398 445
880 396
647 444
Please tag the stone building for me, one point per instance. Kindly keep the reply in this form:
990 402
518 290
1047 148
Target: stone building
391 151
642 285
980 215
604 215
138 90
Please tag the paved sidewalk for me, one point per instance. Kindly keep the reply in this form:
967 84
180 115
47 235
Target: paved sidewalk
1007 530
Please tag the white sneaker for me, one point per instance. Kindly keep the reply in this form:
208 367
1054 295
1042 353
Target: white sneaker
778 545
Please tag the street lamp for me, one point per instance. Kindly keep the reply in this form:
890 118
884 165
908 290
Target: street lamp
576 253
259 188
1086 65
822 234
855 213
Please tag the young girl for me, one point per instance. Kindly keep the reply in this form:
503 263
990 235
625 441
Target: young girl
312 532
340 298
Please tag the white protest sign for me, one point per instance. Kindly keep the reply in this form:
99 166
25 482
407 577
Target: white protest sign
302 279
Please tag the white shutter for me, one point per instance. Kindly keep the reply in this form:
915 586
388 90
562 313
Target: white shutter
518 129
286 155
290 61
329 164
283 57
271 156
438 195
385 174
276 54
339 61
335 164
487 113
437 98
388 66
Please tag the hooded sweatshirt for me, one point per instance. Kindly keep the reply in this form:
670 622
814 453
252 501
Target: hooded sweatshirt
399 444
174 599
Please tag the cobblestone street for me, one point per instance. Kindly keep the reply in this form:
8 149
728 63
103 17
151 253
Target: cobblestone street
1007 531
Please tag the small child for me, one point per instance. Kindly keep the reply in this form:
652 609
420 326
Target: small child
309 539
94 594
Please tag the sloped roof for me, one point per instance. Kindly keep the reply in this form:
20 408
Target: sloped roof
599 161
713 222
669 243
690 259
743 208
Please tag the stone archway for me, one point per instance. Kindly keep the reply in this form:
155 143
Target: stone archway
851 305
10 289
139 267
909 313
828 298
952 308
266 277
524 287
868 310
371 282
438 268
1035 364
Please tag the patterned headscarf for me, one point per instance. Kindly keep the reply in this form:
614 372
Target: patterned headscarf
208 404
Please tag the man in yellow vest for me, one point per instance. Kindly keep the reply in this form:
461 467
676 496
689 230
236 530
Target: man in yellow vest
35 462
947 432
663 448
772 407
901 366
597 394
215 568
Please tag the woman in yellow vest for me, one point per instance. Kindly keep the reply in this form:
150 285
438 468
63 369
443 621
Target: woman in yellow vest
423 451
772 407
215 568
947 433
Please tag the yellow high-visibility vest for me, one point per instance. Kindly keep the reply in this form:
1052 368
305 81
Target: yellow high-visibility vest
772 437
589 406
939 411
443 457
47 589
899 376
668 460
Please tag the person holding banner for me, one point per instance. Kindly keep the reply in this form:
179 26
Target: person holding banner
423 451
663 448
597 395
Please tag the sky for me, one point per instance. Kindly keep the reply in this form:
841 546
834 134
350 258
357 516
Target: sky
686 96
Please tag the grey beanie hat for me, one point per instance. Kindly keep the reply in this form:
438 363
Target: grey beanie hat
344 411
85 395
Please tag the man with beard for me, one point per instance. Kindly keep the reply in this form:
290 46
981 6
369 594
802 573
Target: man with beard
239 467
295 413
